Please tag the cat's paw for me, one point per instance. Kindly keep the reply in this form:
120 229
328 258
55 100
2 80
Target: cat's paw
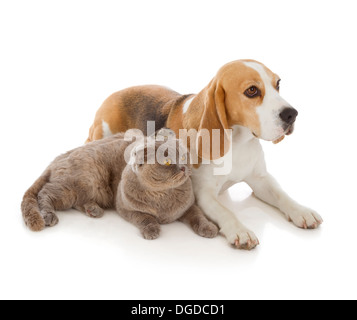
50 219
207 230
94 211
151 231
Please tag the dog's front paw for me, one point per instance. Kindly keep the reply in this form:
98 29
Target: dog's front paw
305 218
243 239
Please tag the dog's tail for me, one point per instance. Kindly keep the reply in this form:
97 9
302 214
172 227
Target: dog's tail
29 206
90 136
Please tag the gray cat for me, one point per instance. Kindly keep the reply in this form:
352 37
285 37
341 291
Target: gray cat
97 177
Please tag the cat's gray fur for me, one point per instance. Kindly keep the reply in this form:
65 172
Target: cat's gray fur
97 177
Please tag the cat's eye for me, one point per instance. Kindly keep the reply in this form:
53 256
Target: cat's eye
168 162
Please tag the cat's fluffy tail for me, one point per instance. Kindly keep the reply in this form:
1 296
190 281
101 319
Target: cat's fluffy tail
30 209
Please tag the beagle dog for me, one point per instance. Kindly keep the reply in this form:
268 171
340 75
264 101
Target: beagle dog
244 97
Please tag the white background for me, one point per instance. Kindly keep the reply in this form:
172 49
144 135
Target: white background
60 59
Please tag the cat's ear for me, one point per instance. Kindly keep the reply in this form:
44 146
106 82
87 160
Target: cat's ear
137 153
137 156
165 134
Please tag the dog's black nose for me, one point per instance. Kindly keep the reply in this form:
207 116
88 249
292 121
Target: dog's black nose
288 115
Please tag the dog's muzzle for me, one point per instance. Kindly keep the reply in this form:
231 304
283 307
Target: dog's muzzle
288 115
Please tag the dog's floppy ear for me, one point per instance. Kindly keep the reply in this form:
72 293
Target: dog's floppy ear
214 123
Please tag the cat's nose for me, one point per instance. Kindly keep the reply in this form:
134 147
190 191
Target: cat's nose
183 169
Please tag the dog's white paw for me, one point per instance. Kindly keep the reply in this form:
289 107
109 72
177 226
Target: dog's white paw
243 239
305 218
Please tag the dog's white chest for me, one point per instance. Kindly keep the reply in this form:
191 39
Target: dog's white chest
245 157
246 153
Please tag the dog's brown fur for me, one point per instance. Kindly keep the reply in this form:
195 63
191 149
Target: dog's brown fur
220 105
88 178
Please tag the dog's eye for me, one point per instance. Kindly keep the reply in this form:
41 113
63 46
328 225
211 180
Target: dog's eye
278 85
252 92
